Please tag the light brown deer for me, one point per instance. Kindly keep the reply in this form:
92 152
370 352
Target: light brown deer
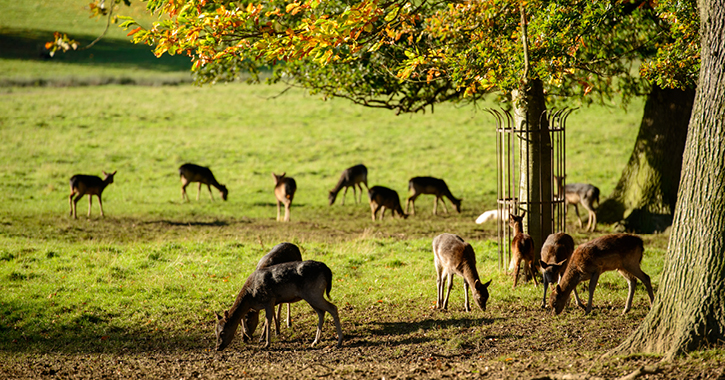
452 255
281 283
81 184
621 252
580 193
522 249
280 253
194 173
350 178
555 255
430 185
284 191
385 198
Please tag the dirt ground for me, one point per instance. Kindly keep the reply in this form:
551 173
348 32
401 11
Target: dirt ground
500 343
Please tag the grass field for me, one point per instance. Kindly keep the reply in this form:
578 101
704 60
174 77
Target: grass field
132 294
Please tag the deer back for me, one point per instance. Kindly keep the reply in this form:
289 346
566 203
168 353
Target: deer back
385 197
90 184
555 254
284 187
280 253
196 173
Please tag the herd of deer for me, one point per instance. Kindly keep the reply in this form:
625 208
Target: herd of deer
281 276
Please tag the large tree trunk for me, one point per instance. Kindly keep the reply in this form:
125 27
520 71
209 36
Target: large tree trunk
688 310
535 147
644 199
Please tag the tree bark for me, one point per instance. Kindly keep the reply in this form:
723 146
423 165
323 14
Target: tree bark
688 310
645 197
536 174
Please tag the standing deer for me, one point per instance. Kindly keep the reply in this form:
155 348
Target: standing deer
452 255
284 191
350 177
430 185
576 193
280 253
194 173
555 255
281 283
81 184
621 252
522 248
385 198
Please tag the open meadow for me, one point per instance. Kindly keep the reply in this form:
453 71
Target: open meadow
132 295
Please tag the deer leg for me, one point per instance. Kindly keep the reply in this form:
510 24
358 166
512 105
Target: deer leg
184 196
269 316
70 202
466 304
592 219
444 204
286 211
361 193
373 210
198 191
278 210
100 204
578 300
533 273
321 305
632 282
592 286
448 293
278 318
344 193
516 272
411 201
382 212
289 310
546 286
90 202
211 196
576 210
638 273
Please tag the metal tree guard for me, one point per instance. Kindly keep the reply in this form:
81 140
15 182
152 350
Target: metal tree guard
509 158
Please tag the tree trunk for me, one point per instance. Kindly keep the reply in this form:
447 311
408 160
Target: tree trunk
644 199
535 147
688 310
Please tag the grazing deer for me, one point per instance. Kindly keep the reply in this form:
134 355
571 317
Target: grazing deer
284 191
280 253
576 193
452 255
281 283
194 173
621 252
350 177
555 254
382 197
430 185
81 184
522 249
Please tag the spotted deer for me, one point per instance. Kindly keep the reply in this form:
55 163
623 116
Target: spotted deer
384 198
81 184
620 252
580 193
194 173
429 185
555 255
284 191
351 177
453 256
522 249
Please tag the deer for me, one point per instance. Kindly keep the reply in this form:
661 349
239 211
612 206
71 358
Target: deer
385 198
350 178
492 215
280 253
453 256
579 193
430 185
281 283
82 184
522 248
284 191
555 254
621 252
194 173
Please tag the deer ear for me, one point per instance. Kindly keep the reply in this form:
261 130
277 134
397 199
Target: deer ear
487 284
543 264
560 263
558 288
114 173
218 317
523 214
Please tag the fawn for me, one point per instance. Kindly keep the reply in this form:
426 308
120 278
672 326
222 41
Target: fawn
281 283
350 177
284 191
576 193
194 173
555 254
385 198
522 249
430 185
621 252
452 255
81 184
280 253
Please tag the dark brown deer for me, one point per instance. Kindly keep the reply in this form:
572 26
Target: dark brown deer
350 178
452 255
280 253
284 191
522 249
580 193
281 283
621 252
555 255
385 198
81 184
430 185
194 173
